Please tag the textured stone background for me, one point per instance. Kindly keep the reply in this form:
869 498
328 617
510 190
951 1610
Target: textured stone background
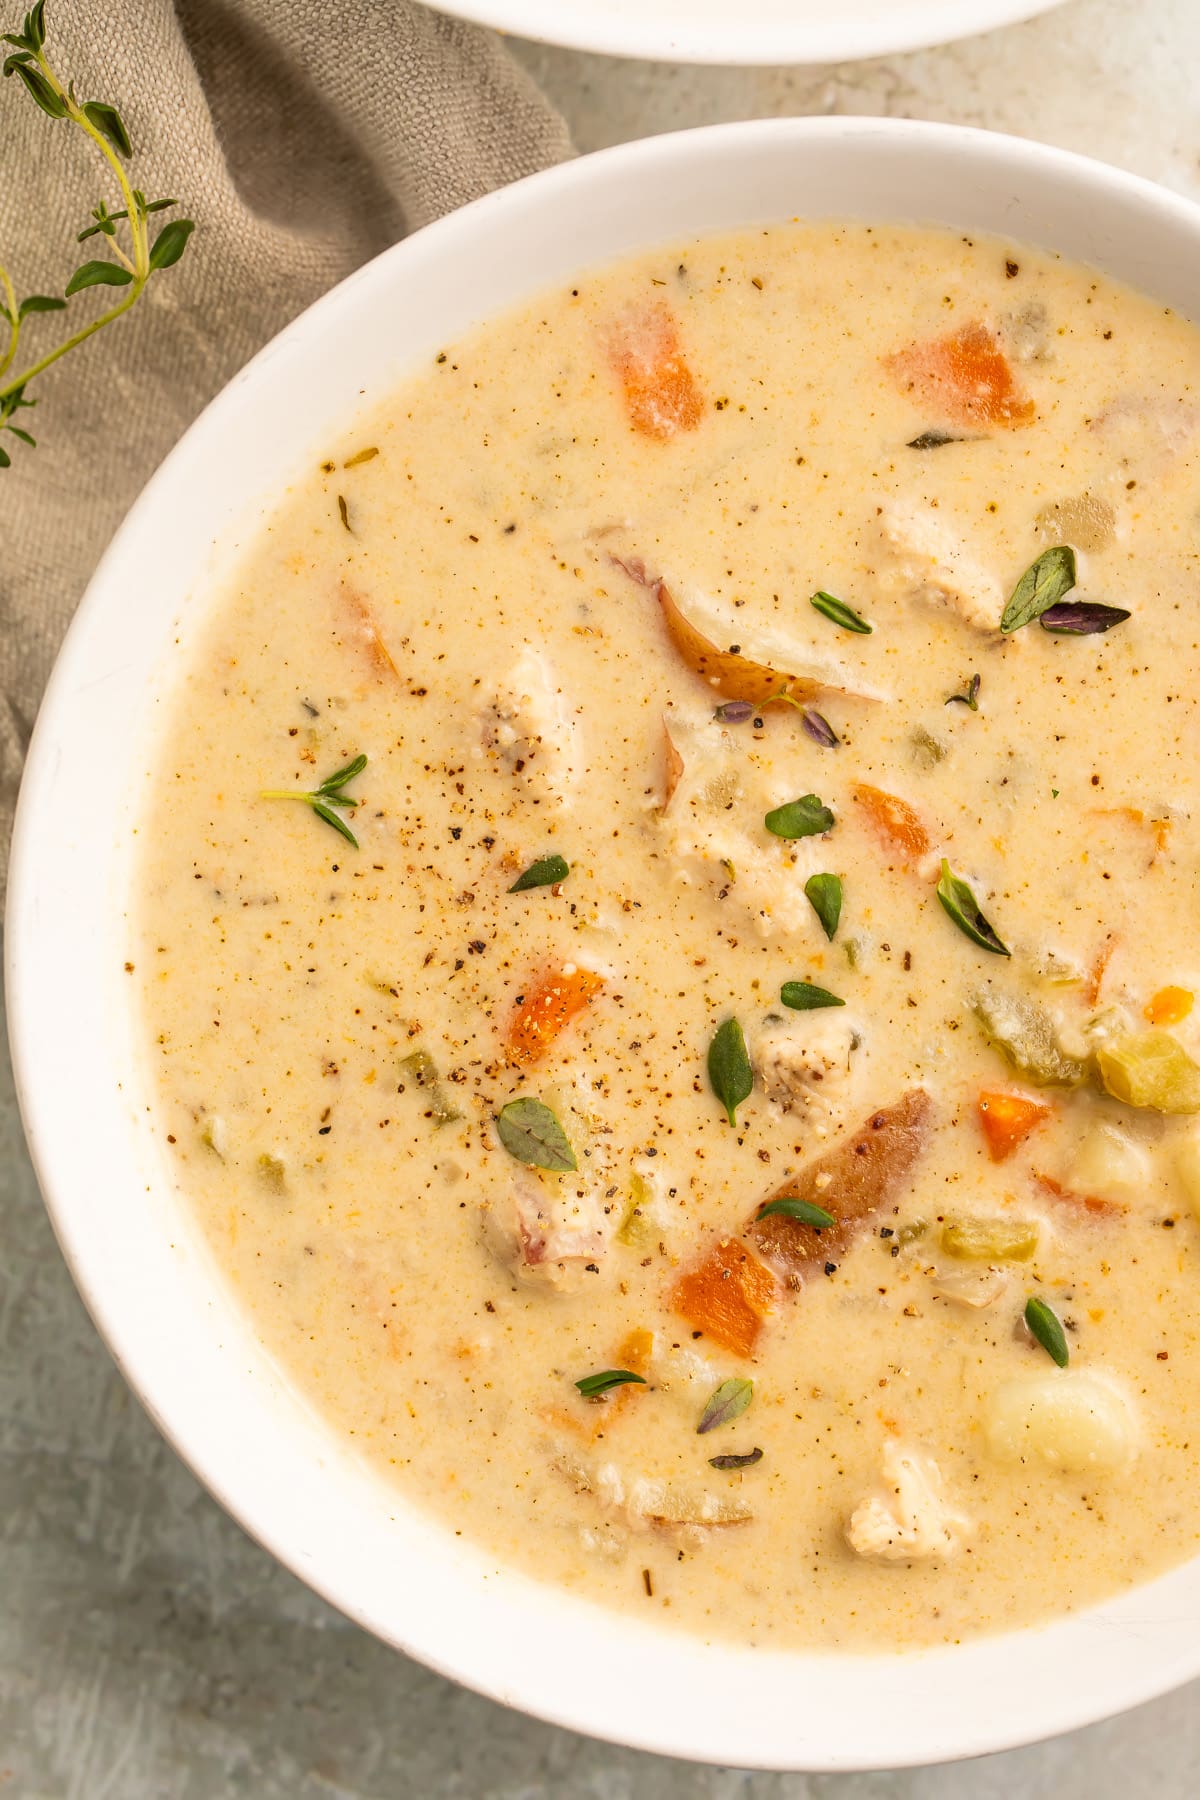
148 1650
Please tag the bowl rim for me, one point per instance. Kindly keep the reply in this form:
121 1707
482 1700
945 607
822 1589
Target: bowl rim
260 1456
828 36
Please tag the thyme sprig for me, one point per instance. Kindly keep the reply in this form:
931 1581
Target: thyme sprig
323 799
134 258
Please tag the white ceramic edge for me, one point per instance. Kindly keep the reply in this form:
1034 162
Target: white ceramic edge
829 35
127 1236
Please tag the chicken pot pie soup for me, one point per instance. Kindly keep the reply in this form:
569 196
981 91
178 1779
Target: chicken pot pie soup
667 937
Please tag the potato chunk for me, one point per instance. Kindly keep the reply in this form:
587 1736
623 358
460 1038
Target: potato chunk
1070 1421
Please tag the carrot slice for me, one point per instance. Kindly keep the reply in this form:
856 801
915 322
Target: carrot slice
1080 1202
727 1296
964 377
364 632
896 824
1169 1005
1007 1119
546 1006
661 395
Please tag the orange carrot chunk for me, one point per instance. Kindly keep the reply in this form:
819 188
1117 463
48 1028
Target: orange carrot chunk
965 378
896 824
362 631
546 1006
727 1296
1089 1203
1007 1119
661 396
1169 1005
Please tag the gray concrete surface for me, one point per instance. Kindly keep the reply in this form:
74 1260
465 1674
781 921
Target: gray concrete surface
148 1650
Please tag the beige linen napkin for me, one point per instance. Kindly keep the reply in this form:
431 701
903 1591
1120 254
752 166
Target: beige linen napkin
302 136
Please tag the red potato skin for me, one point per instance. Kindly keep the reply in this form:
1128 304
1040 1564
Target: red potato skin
866 1172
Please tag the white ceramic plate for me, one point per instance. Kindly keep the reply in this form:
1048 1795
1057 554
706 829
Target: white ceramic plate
127 1233
746 31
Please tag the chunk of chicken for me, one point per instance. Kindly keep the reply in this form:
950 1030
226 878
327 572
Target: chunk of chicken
925 561
810 1062
913 1519
644 1500
551 1231
527 726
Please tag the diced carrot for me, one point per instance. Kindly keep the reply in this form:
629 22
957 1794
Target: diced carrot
1095 980
547 1005
364 632
1169 1005
1007 1119
897 824
661 395
1158 830
727 1296
964 377
635 1351
1081 1202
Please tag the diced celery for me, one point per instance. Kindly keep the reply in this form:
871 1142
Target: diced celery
638 1230
990 1240
422 1072
1025 1032
1150 1069
272 1173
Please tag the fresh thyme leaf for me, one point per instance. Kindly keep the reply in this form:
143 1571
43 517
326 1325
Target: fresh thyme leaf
23 435
962 906
934 440
803 1211
46 97
819 729
327 796
971 697
344 512
361 456
1043 585
530 1132
98 274
806 817
734 712
1082 618
840 613
803 996
547 871
726 1403
594 1387
40 303
171 243
825 897
729 1071
110 125
1046 1327
745 1461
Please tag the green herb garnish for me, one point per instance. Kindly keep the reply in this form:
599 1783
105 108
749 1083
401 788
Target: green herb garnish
735 1462
1042 586
971 697
545 872
825 897
594 1387
806 817
726 1403
962 906
729 1071
803 1211
136 261
323 799
1046 1327
805 996
840 613
530 1132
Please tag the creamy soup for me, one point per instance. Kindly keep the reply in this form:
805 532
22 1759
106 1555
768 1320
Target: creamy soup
667 937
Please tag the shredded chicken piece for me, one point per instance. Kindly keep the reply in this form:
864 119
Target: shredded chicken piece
975 1288
913 1519
927 562
643 1501
527 726
552 1233
810 1062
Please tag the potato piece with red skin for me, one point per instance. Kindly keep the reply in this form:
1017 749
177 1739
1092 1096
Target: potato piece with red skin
852 1182
660 392
727 1296
964 378
546 1007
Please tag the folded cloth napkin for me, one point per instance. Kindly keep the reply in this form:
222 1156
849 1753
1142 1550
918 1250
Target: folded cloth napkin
302 136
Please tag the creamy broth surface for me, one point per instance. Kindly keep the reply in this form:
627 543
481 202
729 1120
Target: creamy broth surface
475 591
